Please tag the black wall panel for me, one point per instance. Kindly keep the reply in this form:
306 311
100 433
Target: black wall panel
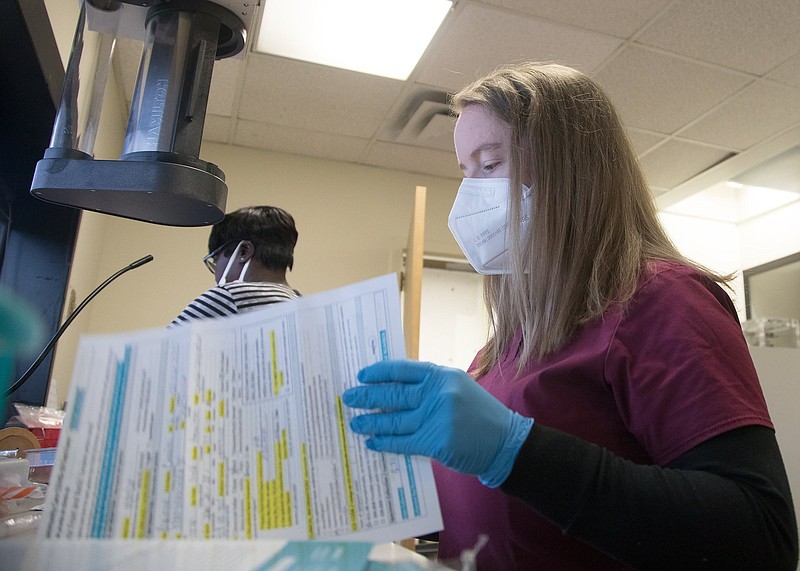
38 238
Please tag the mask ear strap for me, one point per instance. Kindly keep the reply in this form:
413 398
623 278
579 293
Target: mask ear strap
244 271
246 265
222 280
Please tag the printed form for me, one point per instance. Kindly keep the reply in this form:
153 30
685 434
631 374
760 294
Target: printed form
234 428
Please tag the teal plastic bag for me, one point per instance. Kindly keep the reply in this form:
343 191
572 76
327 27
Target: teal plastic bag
20 333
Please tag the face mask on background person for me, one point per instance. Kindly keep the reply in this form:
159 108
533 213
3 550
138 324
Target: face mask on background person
479 221
223 280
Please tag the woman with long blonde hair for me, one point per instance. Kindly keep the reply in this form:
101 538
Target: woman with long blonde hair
617 419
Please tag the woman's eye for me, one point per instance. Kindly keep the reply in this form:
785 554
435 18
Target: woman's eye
490 167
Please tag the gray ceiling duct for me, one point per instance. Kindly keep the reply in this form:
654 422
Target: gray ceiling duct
159 177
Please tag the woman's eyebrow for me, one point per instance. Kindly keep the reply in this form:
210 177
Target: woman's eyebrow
486 147
481 148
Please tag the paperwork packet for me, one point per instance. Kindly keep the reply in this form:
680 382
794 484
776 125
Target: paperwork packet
234 429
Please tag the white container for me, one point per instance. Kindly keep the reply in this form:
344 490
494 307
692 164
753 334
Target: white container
772 332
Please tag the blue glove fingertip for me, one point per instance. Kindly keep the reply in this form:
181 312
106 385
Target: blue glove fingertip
356 424
348 397
364 374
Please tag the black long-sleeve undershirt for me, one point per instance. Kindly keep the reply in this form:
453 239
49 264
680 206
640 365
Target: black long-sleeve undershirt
724 504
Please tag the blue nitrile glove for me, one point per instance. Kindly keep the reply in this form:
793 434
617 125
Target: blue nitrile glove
437 412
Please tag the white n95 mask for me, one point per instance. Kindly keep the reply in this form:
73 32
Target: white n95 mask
479 221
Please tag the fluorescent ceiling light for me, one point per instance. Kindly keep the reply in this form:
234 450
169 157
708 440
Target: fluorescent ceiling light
757 200
733 202
379 37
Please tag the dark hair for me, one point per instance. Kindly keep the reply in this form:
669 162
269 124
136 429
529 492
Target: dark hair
270 229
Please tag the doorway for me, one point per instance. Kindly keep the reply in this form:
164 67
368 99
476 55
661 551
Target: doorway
453 317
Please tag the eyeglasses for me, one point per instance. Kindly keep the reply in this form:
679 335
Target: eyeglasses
211 259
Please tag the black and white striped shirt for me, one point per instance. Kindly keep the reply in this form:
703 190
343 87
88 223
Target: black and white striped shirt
233 298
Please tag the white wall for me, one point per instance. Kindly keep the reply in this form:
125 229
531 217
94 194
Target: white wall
779 371
771 236
716 245
454 323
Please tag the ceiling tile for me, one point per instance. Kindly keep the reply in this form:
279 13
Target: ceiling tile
757 112
788 72
658 191
671 81
222 92
414 159
643 141
742 34
620 18
658 92
216 128
781 172
480 39
298 142
315 97
677 161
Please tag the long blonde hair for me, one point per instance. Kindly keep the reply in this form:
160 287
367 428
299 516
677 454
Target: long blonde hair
594 223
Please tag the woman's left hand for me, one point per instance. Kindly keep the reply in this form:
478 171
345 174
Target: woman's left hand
438 412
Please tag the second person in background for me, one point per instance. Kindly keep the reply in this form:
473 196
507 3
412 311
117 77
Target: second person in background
250 251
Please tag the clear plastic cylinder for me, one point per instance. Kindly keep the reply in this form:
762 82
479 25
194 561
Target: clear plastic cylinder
157 98
78 115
